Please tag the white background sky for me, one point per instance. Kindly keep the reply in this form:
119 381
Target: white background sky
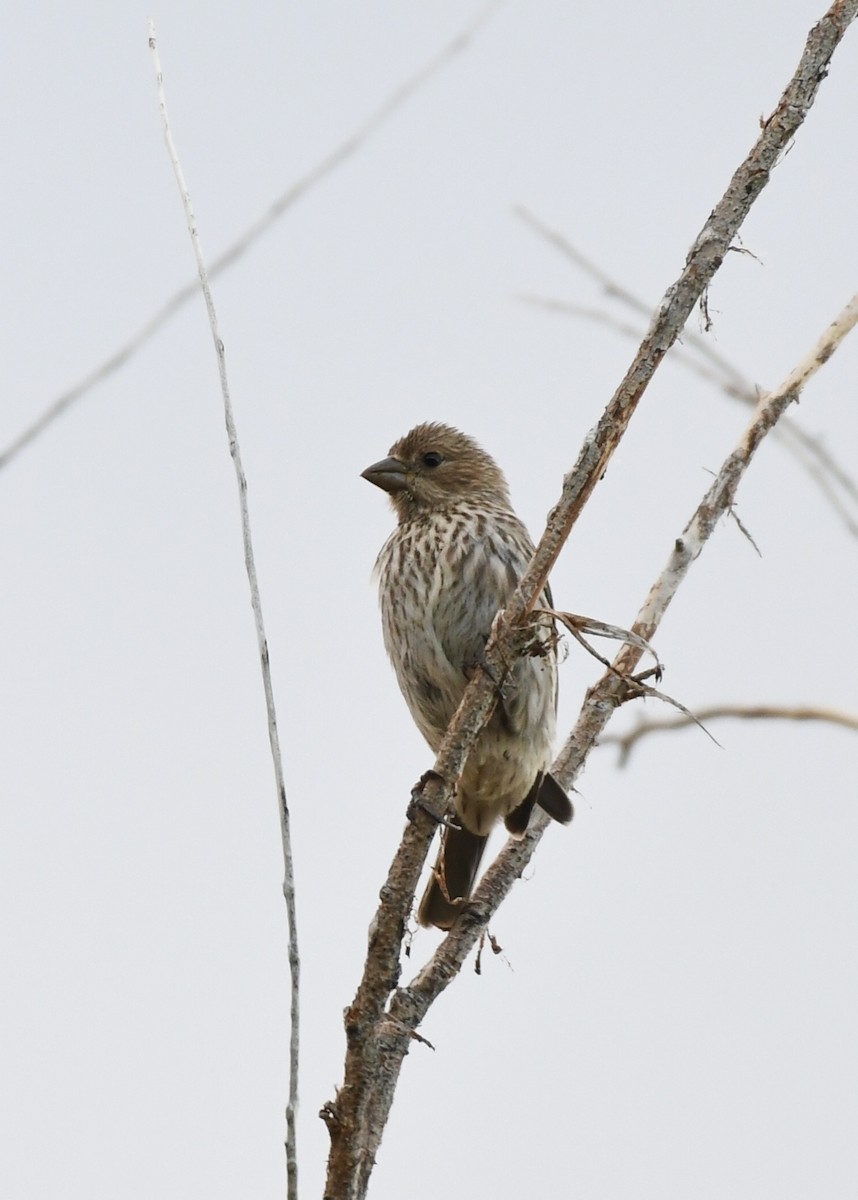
676 1011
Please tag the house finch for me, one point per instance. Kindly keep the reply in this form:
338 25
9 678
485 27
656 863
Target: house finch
452 562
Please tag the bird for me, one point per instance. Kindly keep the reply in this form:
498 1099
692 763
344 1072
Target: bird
452 562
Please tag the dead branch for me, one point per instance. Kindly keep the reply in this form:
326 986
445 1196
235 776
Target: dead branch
410 1004
376 1037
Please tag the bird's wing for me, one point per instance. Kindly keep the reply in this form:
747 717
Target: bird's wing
480 581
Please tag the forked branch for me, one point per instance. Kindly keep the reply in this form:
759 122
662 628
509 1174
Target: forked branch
382 1017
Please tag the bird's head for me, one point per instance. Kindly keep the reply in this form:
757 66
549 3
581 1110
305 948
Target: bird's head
434 466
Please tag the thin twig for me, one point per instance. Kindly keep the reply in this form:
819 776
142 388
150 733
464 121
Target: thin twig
733 384
262 640
376 1043
626 742
618 291
261 225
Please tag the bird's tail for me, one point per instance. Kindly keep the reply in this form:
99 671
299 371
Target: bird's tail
549 795
456 868
554 800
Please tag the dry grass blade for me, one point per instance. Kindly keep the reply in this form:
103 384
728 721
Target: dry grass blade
578 626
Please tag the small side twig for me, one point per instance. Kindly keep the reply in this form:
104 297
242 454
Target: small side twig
262 640
626 742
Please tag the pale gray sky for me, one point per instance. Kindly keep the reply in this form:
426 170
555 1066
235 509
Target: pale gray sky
675 1014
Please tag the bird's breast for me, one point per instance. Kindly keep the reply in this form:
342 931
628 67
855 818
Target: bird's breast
441 583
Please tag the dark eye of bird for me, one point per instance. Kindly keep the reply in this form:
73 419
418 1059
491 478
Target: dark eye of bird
432 459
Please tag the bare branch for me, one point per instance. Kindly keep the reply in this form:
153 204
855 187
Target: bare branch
410 1004
376 1036
245 240
262 640
626 742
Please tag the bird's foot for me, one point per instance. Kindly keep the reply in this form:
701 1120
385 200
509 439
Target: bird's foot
484 665
418 802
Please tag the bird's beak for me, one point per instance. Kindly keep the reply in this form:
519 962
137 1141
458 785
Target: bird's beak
389 475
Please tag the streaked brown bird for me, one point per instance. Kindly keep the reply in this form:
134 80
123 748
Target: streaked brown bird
452 562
